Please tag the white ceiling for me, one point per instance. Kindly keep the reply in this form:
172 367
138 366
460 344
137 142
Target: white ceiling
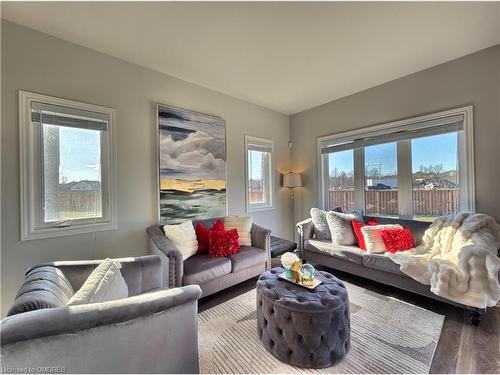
286 56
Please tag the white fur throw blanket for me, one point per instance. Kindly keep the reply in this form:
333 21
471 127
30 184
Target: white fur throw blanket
458 259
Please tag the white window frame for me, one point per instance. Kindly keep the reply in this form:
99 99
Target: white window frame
269 176
465 161
30 173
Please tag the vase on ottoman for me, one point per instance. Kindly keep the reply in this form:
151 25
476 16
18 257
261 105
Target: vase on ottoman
306 328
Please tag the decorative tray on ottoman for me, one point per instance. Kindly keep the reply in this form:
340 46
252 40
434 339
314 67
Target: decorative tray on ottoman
315 284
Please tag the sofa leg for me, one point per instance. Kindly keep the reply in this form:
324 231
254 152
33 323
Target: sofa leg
475 317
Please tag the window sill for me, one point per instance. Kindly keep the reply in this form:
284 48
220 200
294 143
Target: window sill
36 234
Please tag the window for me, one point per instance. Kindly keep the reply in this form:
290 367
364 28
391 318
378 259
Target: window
341 180
67 170
381 180
417 168
259 171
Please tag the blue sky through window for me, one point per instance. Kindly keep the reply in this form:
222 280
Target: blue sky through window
437 149
80 154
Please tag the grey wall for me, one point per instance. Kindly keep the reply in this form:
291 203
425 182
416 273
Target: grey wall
40 63
473 79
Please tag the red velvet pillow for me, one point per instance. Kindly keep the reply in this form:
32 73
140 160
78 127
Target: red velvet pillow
223 242
202 235
357 225
398 239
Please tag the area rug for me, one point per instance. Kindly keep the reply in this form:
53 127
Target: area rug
387 336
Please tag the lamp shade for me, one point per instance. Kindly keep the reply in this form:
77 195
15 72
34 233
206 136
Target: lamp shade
291 180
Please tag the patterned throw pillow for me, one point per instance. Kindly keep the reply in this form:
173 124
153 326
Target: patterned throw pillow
202 235
357 225
321 228
372 235
398 239
223 243
341 228
243 224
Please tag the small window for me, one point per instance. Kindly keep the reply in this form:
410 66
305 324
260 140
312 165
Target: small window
67 170
259 173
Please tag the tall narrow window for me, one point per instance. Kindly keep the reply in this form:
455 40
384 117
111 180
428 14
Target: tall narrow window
259 173
381 180
67 169
435 181
341 180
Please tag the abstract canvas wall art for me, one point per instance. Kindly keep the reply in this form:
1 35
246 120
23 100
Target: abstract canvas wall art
192 165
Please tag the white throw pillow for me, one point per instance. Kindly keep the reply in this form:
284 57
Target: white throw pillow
373 237
105 283
243 225
183 236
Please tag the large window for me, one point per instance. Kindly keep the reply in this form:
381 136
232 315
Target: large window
66 167
259 171
417 168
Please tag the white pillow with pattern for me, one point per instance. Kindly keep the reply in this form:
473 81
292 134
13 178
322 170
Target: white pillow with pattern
243 225
373 237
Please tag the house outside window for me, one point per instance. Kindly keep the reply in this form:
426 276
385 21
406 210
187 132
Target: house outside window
67 167
417 168
259 173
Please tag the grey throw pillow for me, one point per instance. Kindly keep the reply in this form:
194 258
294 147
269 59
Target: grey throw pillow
341 228
321 229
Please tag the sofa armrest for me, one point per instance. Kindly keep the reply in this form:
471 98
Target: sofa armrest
77 338
305 229
261 239
171 257
55 321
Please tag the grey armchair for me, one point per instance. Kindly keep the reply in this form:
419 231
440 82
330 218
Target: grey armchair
211 273
139 334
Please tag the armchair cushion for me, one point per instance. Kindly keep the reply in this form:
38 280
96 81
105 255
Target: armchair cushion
246 258
201 268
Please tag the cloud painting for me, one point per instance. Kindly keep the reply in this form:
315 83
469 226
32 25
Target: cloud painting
192 165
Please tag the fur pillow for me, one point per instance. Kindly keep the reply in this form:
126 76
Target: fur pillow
105 283
243 225
183 236
341 228
372 235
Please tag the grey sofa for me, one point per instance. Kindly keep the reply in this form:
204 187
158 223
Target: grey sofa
376 267
139 334
212 274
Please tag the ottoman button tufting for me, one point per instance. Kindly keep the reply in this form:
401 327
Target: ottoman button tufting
322 312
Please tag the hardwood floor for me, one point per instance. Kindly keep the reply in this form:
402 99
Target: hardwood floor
462 347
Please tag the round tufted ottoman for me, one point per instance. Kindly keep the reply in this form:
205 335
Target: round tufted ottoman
306 328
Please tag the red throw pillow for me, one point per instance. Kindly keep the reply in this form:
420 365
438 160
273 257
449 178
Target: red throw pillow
223 242
357 225
202 235
398 239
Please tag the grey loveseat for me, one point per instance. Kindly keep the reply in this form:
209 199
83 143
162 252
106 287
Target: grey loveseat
212 274
376 267
139 334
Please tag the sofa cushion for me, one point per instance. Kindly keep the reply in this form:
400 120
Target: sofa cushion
247 257
44 287
381 262
347 252
201 268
